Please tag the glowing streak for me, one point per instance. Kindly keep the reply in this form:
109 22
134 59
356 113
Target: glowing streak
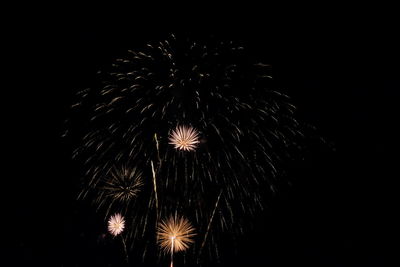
155 189
125 250
172 250
158 150
209 223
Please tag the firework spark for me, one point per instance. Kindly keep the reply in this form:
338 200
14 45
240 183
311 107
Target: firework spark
184 138
175 234
116 224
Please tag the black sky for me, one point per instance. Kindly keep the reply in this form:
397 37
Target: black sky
340 68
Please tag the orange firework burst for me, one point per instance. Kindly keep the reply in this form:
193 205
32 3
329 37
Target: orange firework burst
175 234
184 138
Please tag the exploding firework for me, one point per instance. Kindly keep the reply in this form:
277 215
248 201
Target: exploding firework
118 188
248 130
116 224
124 184
184 138
175 234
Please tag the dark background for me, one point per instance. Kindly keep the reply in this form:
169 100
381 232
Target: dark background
339 65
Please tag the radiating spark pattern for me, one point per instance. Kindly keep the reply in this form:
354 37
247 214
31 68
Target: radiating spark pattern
124 184
184 138
175 234
120 186
116 224
212 99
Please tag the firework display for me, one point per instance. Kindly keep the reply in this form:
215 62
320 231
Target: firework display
181 127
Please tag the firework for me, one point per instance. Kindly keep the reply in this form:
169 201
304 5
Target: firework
139 116
124 184
174 235
120 186
116 224
184 138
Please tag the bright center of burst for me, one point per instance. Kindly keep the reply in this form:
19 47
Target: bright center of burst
183 143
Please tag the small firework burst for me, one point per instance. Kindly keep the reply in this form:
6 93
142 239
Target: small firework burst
175 234
184 138
124 184
116 224
121 185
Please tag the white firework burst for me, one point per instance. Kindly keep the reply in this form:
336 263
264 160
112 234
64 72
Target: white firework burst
116 224
184 138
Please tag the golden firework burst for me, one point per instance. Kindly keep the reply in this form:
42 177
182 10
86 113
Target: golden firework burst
175 234
124 184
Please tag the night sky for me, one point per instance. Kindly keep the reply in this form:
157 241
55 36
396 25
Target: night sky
341 70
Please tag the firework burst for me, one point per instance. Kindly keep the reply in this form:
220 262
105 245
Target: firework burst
184 138
124 184
116 224
119 186
175 234
248 131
